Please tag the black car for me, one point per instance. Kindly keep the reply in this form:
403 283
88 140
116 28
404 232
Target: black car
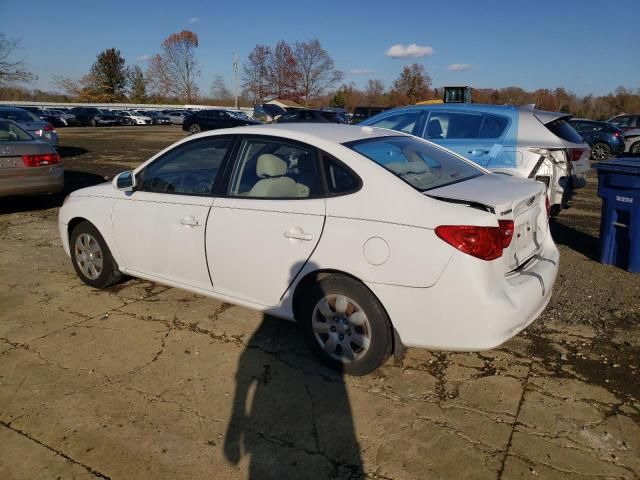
213 119
308 115
604 138
362 113
94 117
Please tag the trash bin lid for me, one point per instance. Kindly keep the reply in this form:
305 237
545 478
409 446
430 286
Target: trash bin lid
623 165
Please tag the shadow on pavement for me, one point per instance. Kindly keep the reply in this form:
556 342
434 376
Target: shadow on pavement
579 241
68 152
291 415
73 180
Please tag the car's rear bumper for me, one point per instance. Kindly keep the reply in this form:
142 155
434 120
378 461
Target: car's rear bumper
473 306
31 181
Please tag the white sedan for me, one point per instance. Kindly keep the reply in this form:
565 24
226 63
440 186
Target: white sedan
371 239
136 118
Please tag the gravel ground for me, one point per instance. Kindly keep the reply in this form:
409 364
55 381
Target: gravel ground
145 381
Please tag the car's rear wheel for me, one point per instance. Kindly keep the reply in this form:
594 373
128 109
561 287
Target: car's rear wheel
345 325
600 151
91 257
195 128
635 148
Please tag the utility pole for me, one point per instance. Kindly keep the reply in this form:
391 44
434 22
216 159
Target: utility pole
235 75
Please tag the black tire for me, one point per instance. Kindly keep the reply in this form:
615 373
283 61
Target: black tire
108 273
195 128
378 325
634 149
600 151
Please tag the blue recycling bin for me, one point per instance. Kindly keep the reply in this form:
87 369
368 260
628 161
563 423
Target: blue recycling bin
619 189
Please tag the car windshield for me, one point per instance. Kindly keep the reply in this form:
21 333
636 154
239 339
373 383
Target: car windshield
10 132
19 116
420 164
564 130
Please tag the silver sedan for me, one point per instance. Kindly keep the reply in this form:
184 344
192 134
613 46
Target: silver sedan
37 127
27 166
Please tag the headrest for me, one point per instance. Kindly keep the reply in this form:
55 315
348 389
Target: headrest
270 166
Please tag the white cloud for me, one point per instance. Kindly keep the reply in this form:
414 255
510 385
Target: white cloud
416 51
144 58
194 19
361 71
459 67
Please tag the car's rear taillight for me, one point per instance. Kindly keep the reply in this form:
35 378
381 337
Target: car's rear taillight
41 159
49 128
485 243
506 230
576 153
617 134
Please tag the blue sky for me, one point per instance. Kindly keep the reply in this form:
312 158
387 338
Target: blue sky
585 46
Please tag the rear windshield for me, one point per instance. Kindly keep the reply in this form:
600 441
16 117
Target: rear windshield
564 130
19 115
421 165
10 132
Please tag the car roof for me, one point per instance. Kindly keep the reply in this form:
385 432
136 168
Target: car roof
332 132
543 115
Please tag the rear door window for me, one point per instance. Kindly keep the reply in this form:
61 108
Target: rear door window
407 122
563 129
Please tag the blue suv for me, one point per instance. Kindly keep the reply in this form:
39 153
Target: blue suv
518 141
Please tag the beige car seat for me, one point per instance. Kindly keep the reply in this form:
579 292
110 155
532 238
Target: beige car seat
274 183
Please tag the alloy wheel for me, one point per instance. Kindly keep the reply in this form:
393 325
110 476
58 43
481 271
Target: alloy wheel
600 151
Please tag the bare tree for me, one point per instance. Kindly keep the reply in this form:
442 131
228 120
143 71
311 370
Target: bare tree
316 69
375 93
12 71
219 89
284 76
255 78
173 72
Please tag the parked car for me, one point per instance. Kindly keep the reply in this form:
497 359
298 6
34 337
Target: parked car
65 115
362 113
176 117
91 116
604 138
28 166
133 118
267 112
48 116
632 141
625 122
157 118
37 127
299 229
517 141
213 119
308 115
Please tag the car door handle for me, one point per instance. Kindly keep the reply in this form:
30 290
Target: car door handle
190 222
478 152
297 233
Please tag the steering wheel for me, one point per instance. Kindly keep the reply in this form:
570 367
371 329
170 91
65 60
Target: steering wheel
195 183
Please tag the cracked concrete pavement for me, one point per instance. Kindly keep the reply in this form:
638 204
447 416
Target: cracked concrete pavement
146 381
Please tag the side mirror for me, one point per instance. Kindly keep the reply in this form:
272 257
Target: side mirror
125 181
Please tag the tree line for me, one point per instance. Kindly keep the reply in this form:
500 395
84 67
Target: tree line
303 72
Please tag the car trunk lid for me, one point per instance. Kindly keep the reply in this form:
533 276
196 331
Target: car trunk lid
511 199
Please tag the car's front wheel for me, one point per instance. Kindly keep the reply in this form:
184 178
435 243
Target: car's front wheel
345 325
195 128
91 257
600 151
635 148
